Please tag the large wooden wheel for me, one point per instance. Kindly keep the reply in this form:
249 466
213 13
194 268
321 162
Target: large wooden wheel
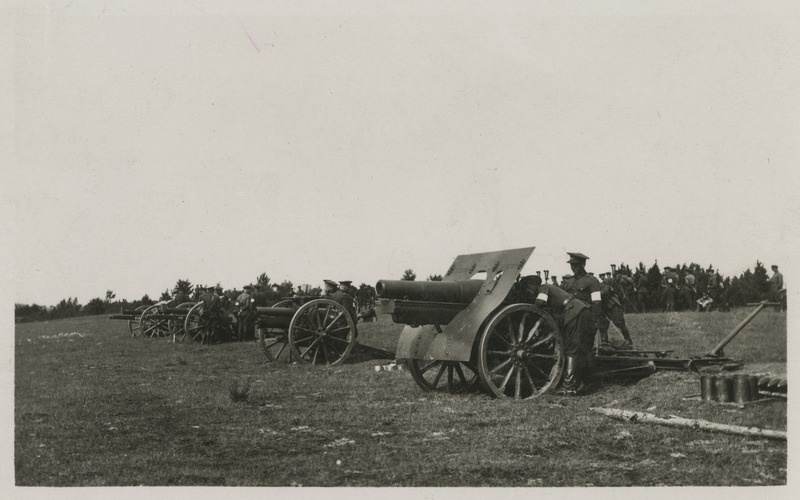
153 327
520 354
176 326
322 332
134 325
196 328
446 376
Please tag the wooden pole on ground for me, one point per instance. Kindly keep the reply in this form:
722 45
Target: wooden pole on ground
673 421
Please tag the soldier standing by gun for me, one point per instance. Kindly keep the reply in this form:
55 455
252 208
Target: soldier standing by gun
586 289
212 311
341 294
246 319
574 317
689 291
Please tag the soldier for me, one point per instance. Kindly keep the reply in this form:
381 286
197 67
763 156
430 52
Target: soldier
623 285
224 300
260 297
585 288
212 311
669 281
712 288
565 280
775 287
246 321
689 290
640 287
342 296
574 317
330 288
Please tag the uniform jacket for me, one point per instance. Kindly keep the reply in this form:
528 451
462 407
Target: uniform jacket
587 289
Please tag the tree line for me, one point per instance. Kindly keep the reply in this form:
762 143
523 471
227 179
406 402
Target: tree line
750 286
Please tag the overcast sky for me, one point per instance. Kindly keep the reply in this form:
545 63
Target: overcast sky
353 140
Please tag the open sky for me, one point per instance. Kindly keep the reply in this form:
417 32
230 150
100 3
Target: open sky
353 140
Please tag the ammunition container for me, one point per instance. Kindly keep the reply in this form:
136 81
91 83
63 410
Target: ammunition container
707 388
724 389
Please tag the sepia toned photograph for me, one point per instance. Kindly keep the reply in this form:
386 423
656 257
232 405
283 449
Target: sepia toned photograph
442 249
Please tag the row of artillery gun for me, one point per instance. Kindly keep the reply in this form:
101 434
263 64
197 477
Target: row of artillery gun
461 334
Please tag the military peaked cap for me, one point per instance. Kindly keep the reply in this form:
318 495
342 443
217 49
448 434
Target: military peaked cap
576 257
345 283
247 287
331 282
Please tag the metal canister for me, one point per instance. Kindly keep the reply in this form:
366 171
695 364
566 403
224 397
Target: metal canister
741 389
707 389
724 389
753 386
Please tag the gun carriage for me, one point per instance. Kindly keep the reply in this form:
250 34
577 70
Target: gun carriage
157 320
201 325
463 333
317 331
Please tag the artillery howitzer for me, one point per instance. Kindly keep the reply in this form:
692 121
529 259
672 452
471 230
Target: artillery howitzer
157 320
463 333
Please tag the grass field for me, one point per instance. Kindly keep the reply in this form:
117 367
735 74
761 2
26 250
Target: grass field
96 407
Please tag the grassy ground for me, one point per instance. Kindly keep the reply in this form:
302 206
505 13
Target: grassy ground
96 407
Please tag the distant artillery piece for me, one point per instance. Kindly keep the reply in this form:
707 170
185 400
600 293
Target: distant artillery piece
317 331
156 320
198 326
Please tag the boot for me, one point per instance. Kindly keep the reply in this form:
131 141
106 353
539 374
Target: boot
604 340
628 344
571 380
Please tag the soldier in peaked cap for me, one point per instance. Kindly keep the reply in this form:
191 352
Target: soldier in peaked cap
330 287
246 323
586 289
572 314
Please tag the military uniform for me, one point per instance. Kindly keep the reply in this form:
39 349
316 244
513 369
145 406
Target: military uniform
212 312
572 314
689 290
246 316
585 288
670 283
775 287
641 292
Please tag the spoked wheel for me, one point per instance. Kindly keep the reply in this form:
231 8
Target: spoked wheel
520 353
196 328
322 332
176 328
134 325
274 341
452 377
153 327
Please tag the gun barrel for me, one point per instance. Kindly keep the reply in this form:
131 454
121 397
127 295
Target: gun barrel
460 292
